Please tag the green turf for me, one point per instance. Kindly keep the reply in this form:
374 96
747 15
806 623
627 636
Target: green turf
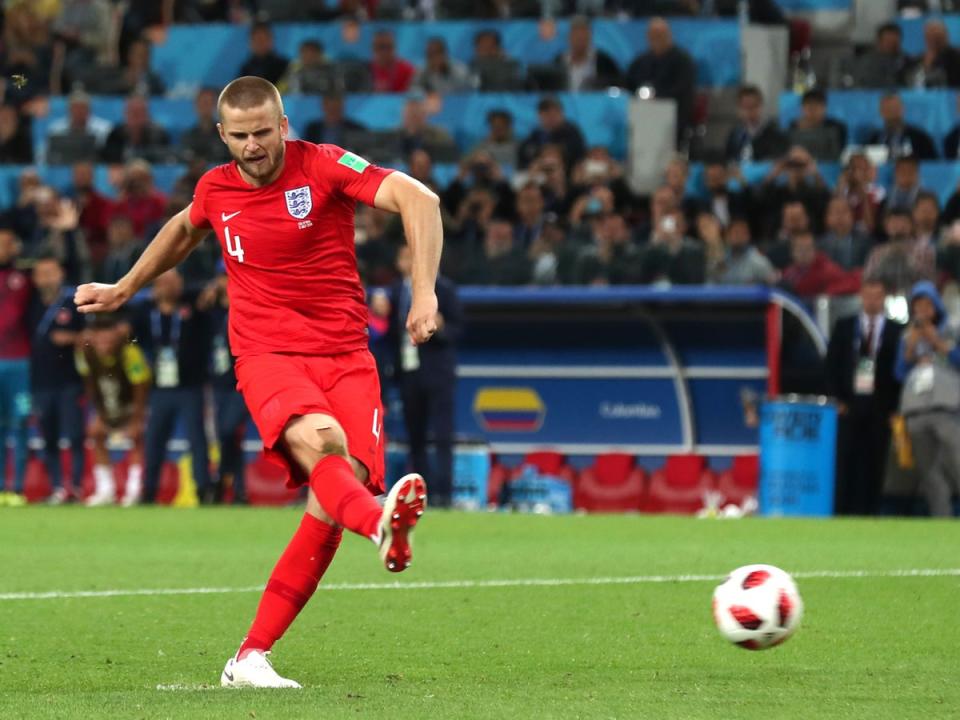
878 647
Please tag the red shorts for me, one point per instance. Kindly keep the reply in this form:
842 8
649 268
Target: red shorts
279 387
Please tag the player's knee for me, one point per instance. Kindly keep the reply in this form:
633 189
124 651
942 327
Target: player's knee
313 437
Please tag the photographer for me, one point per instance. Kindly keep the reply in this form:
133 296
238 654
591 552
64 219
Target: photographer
795 178
927 365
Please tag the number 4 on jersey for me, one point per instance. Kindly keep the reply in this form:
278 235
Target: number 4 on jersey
234 248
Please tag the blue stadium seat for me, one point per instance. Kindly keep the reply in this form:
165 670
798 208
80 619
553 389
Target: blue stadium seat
913 31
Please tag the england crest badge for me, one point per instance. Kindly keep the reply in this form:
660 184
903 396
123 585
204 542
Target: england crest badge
299 202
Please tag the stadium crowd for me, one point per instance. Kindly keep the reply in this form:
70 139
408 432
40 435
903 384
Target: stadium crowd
542 208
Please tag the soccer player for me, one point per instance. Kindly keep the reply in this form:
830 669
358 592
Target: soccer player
283 212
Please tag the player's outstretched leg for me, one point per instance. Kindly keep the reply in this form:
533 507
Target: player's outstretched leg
405 503
292 582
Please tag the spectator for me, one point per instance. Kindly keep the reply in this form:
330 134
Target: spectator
500 263
263 61
80 135
14 367
671 258
859 373
885 64
27 52
94 209
927 366
939 65
926 219
391 74
530 209
594 205
16 146
500 142
824 138
137 137
843 243
553 129
479 170
57 231
668 69
900 137
441 74
123 249
586 67
675 177
549 171
753 138
611 258
491 66
139 198
310 73
901 261
795 178
203 139
598 168
812 273
740 263
906 184
137 78
333 127
720 200
550 252
858 186
57 390
116 380
175 335
418 134
84 30
426 376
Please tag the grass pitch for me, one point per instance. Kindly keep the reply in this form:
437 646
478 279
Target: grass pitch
877 646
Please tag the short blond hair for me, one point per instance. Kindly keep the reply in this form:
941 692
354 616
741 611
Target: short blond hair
249 92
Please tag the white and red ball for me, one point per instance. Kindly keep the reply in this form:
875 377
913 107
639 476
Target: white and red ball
757 607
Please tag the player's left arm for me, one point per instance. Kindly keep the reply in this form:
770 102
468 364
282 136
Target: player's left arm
419 207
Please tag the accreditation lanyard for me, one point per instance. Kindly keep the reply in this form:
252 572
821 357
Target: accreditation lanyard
167 365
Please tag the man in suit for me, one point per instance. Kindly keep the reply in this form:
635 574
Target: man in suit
859 374
754 138
901 138
426 376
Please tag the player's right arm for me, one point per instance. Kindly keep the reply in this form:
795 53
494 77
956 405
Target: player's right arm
176 239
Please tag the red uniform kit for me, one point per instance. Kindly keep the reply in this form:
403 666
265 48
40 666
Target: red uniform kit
298 317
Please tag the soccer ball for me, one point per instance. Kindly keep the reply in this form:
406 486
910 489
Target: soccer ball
757 607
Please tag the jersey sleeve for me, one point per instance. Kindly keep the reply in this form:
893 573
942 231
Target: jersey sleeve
198 213
349 173
135 365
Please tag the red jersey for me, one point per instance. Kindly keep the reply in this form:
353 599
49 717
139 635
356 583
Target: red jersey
14 305
289 250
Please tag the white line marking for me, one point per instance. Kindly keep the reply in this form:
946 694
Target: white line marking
181 687
469 584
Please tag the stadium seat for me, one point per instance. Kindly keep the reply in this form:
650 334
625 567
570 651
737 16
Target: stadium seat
678 487
741 480
547 462
266 483
612 484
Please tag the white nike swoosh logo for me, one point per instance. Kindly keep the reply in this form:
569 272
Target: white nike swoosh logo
224 217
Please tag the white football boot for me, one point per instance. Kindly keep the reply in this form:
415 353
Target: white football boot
131 494
106 487
254 671
402 509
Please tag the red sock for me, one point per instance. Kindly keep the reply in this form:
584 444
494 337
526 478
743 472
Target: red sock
343 497
292 582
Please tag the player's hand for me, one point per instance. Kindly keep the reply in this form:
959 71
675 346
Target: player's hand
422 320
99 297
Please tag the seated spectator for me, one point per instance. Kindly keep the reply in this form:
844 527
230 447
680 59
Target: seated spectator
530 214
926 219
739 263
83 28
591 207
27 52
843 243
663 201
795 178
21 217
310 74
16 145
550 172
420 167
858 186
203 139
334 125
900 137
123 250
500 142
754 139
586 67
139 200
391 74
442 74
491 66
479 170
668 69
80 135
672 258
939 65
906 184
823 137
812 273
675 177
794 220
501 263
720 200
94 211
952 139
901 261
137 137
550 251
599 169
553 129
473 216
611 258
418 134
137 77
263 60
885 64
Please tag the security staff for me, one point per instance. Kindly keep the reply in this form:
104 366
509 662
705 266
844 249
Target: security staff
56 385
175 335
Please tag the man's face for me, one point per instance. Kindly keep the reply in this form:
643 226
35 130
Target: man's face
738 235
891 110
676 175
436 54
333 109
551 118
839 217
659 37
499 238
47 276
310 56
813 112
925 216
9 247
530 203
83 176
898 227
79 113
206 104
261 42
485 47
414 116
923 310
803 250
906 175
499 128
873 296
255 140
420 165
795 218
749 109
888 43
136 113
935 37
579 39
384 51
